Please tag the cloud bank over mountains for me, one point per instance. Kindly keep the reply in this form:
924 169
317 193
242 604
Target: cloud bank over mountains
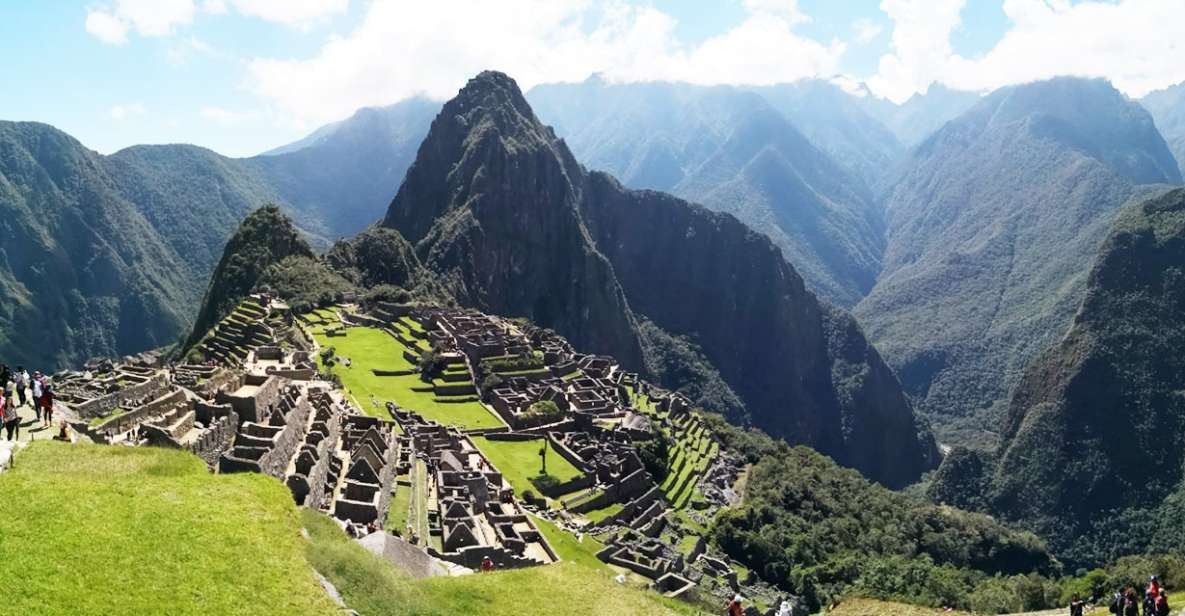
398 49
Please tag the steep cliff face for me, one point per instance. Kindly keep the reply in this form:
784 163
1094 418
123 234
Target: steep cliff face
990 234
82 273
735 151
498 208
1095 435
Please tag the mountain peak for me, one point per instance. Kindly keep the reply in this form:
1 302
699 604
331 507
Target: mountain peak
486 129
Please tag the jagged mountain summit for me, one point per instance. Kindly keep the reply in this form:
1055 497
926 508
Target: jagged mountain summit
990 233
734 152
1095 433
913 121
498 208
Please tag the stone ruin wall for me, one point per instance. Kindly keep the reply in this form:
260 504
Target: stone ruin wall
105 405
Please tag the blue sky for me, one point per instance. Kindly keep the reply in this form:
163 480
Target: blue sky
242 76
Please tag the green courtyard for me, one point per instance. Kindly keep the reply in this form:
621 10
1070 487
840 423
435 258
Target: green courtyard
519 462
372 349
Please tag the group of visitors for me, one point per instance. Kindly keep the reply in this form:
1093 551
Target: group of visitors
1128 602
18 388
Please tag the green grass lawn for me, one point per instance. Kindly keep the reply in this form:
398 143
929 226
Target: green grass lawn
90 529
519 461
596 516
370 348
575 587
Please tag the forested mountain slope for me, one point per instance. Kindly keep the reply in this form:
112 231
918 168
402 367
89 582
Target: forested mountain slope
990 233
501 211
82 272
109 255
1094 439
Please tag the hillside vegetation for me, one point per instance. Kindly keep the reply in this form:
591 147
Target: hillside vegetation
991 232
1095 437
115 530
824 532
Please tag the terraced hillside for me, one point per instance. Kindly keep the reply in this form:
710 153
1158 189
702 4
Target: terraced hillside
247 327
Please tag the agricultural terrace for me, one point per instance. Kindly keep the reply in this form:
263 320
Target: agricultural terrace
691 456
520 462
90 529
370 349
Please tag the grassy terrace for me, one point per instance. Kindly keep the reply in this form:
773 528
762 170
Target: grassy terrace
369 348
693 452
518 461
579 586
113 530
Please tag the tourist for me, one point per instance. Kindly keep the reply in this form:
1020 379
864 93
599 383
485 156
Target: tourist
1077 606
1131 605
487 565
1162 603
1153 586
46 401
63 433
37 384
22 383
734 606
1117 602
12 421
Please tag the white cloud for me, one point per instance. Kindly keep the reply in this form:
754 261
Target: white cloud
406 48
786 9
185 50
1138 44
107 28
920 46
297 13
112 23
214 7
227 117
123 112
866 30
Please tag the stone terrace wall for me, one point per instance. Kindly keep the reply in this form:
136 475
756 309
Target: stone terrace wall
153 387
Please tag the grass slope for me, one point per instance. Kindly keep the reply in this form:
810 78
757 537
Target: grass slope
572 587
114 530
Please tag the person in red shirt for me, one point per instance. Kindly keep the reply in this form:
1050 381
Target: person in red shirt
487 565
47 396
734 607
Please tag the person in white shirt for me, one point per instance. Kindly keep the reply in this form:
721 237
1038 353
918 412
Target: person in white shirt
22 383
